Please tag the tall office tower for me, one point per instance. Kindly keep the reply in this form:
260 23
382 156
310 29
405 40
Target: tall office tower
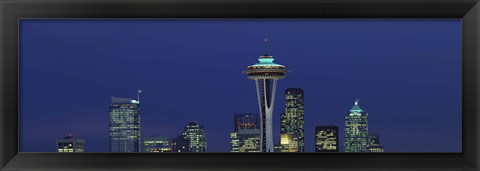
156 145
246 137
265 73
356 130
196 136
326 139
374 143
180 145
125 125
292 122
69 144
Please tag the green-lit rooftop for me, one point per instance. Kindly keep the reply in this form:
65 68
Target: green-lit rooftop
356 108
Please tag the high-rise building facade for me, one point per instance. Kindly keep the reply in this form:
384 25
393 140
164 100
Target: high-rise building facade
156 145
326 139
374 143
69 144
266 73
245 140
288 143
245 121
246 137
356 129
125 125
196 136
292 121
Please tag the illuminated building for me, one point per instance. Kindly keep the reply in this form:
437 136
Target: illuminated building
125 125
266 73
69 144
180 144
156 144
245 121
196 136
326 139
246 137
356 129
288 143
292 121
374 143
234 142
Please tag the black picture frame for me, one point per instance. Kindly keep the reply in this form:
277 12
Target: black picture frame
12 10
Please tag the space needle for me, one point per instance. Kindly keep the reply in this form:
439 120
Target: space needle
266 72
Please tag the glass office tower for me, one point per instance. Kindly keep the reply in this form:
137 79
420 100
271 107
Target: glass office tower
156 144
195 134
326 139
125 125
292 121
69 144
374 143
356 129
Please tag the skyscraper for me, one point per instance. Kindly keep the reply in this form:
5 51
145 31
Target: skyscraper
326 139
125 125
156 144
292 121
356 129
246 137
266 72
374 143
195 134
69 144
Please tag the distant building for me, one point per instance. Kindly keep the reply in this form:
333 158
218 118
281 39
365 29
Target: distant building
234 142
292 121
246 121
288 143
374 143
156 145
180 145
196 136
69 144
125 125
326 139
246 137
356 130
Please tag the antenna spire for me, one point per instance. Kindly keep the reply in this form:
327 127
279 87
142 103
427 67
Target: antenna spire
138 94
265 40
356 101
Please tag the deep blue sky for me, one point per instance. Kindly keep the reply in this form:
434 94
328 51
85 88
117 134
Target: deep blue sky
406 73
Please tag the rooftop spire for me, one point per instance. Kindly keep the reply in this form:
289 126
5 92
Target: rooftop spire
138 94
265 40
356 101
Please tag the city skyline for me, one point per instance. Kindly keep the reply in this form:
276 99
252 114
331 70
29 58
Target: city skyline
125 131
66 63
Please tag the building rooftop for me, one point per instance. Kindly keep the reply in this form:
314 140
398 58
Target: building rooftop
356 108
124 100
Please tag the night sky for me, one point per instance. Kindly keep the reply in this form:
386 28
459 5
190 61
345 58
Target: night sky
406 73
